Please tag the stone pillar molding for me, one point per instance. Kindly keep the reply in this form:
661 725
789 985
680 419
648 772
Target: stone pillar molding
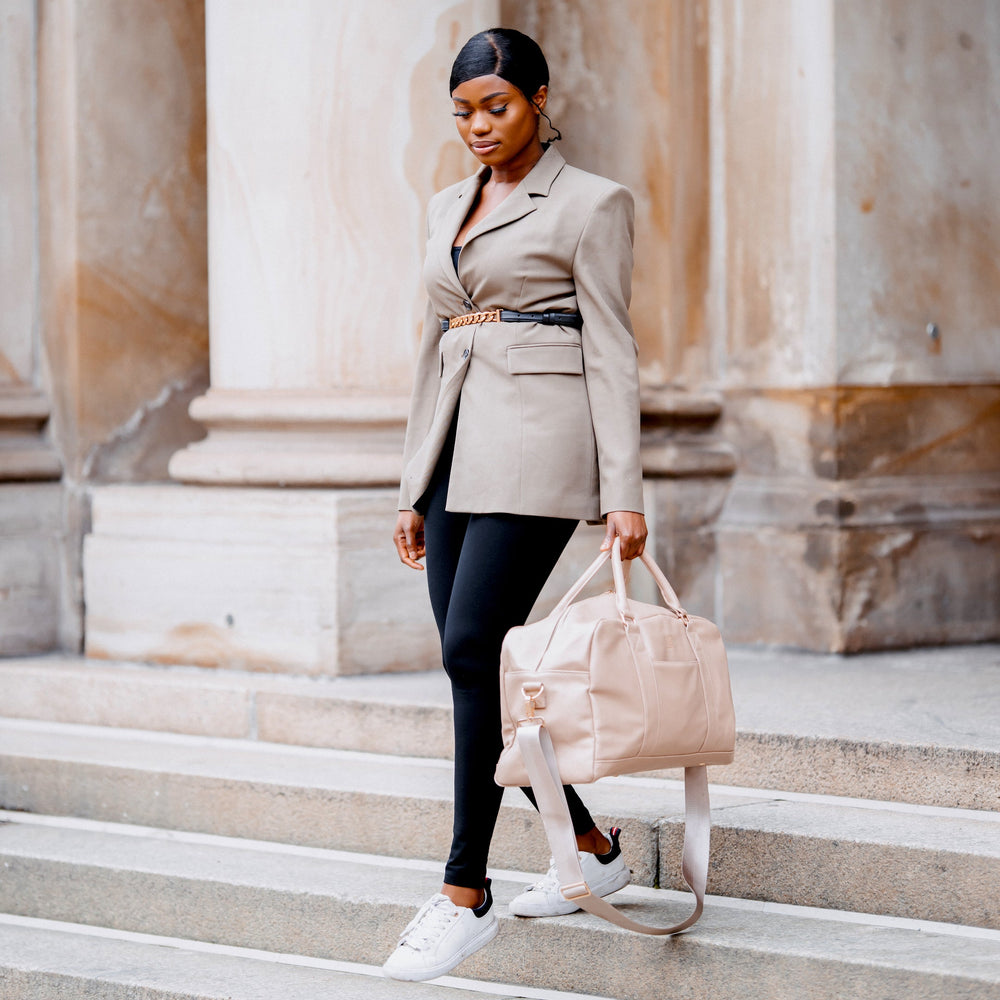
284 437
24 452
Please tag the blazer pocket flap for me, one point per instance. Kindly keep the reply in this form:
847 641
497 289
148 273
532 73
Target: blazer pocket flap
545 359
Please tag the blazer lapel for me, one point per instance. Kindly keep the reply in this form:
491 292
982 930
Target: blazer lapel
450 225
519 202
515 206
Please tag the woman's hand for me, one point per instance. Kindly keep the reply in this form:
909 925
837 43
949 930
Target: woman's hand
631 528
409 538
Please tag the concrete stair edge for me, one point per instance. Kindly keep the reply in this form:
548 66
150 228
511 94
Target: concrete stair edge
47 960
358 714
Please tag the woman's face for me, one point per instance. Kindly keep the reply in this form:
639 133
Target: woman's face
495 120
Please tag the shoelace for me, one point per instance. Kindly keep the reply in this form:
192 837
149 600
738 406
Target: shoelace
428 925
549 882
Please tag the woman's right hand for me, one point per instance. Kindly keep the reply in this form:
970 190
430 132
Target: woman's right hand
409 538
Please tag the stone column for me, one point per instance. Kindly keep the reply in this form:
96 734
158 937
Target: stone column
317 181
329 129
854 295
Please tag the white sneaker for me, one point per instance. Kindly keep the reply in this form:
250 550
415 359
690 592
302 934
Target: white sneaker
604 873
440 936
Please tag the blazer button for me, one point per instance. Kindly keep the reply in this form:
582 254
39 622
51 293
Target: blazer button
466 303
465 353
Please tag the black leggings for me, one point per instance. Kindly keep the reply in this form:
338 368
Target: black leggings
484 573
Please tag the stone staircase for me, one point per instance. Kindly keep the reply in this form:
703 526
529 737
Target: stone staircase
182 833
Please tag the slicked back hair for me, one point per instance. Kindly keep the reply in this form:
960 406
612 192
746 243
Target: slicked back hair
503 52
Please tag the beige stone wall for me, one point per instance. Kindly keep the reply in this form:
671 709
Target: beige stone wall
123 267
831 166
918 190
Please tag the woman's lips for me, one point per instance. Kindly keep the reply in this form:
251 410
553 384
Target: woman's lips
484 147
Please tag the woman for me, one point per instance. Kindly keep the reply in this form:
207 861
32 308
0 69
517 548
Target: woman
524 420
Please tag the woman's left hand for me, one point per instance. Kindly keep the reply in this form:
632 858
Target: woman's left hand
631 528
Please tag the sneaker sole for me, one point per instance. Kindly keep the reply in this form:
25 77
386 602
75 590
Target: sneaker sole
422 975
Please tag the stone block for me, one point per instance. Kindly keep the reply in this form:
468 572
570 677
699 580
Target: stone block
302 581
916 84
863 517
779 587
373 726
846 589
681 514
32 573
828 853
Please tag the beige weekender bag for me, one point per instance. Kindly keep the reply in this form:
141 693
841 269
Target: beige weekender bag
610 686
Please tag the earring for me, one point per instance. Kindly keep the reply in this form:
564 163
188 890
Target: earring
558 134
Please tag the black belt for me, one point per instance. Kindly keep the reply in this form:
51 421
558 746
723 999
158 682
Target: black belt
510 316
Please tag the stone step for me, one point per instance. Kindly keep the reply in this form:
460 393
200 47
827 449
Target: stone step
347 907
920 726
921 862
48 960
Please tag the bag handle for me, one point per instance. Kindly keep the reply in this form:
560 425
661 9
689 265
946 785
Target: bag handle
539 757
574 592
670 599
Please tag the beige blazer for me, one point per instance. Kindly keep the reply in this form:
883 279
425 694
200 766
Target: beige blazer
549 416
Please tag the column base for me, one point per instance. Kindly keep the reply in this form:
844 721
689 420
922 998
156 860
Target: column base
33 575
688 468
38 559
865 517
24 452
295 438
847 567
298 581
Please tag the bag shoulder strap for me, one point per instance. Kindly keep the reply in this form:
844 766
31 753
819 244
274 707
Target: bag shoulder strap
536 748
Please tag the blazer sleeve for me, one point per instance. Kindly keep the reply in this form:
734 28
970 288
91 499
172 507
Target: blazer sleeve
602 272
426 383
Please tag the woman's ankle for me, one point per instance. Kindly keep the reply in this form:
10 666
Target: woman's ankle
593 842
460 895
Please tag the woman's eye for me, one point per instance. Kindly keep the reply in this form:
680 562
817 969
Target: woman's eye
498 111
461 114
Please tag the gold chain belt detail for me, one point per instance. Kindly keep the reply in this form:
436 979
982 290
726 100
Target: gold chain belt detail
492 316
